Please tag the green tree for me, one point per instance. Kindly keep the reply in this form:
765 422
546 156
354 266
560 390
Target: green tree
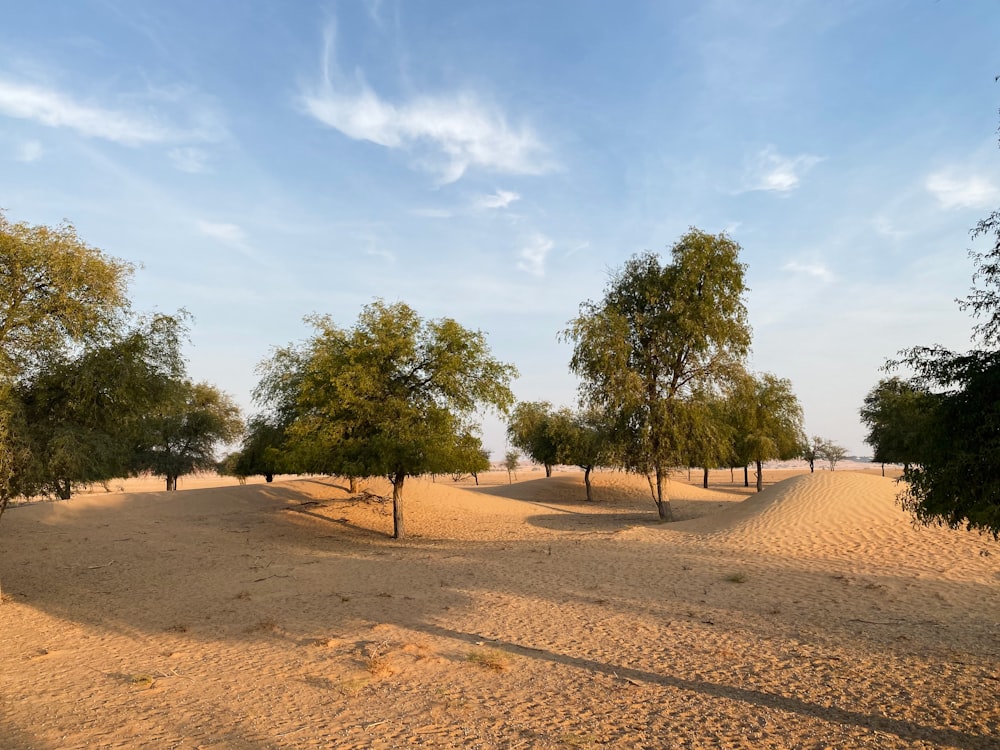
809 451
586 439
511 461
768 419
897 414
661 333
711 436
55 292
180 434
531 430
955 481
82 415
262 450
391 396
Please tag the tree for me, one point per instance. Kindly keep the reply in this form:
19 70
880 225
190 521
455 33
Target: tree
809 451
585 440
57 291
955 481
56 294
180 435
262 450
768 419
661 333
81 416
832 453
531 430
391 396
511 460
897 415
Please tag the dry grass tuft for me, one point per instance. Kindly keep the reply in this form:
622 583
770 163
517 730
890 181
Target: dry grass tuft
376 658
493 660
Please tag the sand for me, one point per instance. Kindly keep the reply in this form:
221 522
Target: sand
813 615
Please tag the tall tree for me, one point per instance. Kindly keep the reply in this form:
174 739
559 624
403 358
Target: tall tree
897 415
83 415
662 332
55 291
955 482
768 419
531 430
180 435
391 396
57 295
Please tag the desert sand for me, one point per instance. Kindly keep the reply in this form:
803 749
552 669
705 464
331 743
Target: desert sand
812 615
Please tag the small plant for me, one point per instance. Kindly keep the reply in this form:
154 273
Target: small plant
489 659
737 578
377 659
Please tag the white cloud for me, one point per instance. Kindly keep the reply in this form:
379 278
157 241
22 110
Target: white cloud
189 159
532 256
769 170
814 269
57 110
228 233
29 151
449 134
499 199
970 191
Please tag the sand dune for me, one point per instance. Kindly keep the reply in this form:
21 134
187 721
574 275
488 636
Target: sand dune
515 615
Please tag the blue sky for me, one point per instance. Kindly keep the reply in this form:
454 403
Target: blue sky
493 161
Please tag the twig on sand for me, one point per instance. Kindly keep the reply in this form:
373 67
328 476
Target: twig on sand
375 724
95 567
876 622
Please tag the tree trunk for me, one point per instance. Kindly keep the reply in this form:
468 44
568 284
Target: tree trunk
548 470
64 489
171 483
812 466
746 476
269 478
662 505
732 476
586 481
398 528
705 482
883 469
760 476
476 477
352 485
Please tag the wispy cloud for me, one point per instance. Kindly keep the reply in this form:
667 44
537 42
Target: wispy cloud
29 151
969 191
768 170
499 199
532 256
814 269
228 233
56 109
189 159
448 133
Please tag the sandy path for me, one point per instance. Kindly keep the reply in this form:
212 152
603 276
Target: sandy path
282 616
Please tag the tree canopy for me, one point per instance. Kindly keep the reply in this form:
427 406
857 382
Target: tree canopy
392 396
896 413
767 420
662 332
531 428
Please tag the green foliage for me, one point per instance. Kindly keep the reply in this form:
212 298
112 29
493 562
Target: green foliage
955 482
531 428
767 419
391 396
511 461
179 434
586 439
56 292
897 414
661 334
